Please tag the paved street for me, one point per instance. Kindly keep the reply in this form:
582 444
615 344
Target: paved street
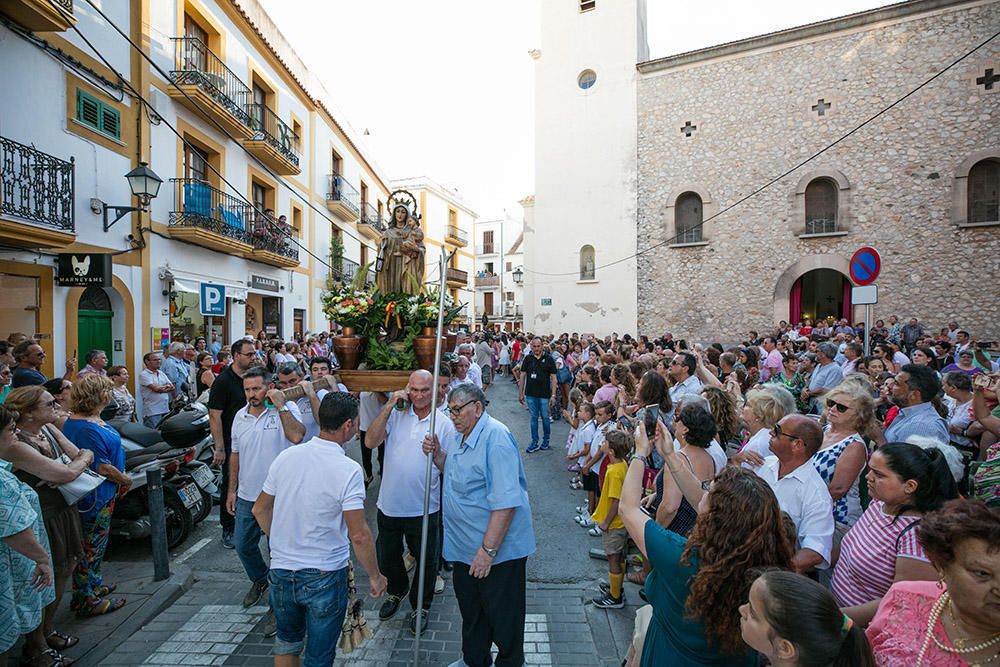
207 625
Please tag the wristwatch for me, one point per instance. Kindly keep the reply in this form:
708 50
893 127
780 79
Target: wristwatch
492 553
284 408
639 457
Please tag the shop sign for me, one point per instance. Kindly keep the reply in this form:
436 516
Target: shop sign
84 270
213 300
262 283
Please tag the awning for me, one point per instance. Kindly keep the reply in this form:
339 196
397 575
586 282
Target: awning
194 287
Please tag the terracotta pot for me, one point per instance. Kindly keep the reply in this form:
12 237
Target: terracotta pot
348 350
423 348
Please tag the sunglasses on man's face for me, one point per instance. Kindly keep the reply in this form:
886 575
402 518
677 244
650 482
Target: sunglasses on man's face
839 407
778 433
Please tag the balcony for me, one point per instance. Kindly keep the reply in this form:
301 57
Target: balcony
40 15
511 310
36 197
456 236
488 280
486 249
272 244
345 270
211 218
371 224
457 277
273 142
342 198
207 87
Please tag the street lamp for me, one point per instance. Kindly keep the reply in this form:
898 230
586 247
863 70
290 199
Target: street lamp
144 184
518 275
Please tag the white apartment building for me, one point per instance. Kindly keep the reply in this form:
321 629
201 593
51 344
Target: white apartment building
258 178
447 222
497 290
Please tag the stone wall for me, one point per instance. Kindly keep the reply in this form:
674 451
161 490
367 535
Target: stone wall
753 110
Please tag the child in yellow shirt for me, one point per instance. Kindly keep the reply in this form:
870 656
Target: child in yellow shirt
617 445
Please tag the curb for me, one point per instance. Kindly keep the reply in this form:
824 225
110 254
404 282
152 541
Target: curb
169 592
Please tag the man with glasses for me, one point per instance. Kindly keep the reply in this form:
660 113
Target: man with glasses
801 492
403 423
682 369
488 533
912 391
225 399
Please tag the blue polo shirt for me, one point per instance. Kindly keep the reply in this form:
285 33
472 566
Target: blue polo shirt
919 419
482 474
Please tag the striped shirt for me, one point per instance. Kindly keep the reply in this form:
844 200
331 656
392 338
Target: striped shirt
867 563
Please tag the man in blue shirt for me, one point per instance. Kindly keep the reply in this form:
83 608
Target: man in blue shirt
488 533
175 368
913 390
825 376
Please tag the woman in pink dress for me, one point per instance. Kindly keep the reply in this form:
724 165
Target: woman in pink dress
955 621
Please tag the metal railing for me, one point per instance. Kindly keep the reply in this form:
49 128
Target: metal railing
268 127
339 189
197 65
457 275
36 186
485 249
692 235
370 217
198 204
65 4
344 269
488 281
272 236
455 233
821 226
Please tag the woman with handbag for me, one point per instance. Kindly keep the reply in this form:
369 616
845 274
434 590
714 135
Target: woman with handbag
37 456
87 430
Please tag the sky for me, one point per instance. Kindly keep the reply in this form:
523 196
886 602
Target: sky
443 88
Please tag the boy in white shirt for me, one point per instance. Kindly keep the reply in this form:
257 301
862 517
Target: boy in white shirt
604 413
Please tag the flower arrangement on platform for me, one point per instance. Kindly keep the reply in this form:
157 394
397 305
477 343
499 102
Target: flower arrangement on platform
423 310
350 307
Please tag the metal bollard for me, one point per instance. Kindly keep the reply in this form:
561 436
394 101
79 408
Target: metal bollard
158 524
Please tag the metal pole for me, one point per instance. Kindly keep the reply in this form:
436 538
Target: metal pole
868 329
157 523
422 563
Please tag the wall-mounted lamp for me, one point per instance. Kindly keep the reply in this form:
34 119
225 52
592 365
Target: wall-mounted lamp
145 185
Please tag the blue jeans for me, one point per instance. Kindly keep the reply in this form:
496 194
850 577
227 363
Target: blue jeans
309 602
539 408
246 539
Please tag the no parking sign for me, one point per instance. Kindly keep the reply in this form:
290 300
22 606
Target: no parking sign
865 266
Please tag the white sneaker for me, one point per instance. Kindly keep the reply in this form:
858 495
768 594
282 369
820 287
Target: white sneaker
438 585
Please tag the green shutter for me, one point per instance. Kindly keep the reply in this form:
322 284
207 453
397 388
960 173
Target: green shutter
97 115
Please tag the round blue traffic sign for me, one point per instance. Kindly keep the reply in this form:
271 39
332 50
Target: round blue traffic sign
865 266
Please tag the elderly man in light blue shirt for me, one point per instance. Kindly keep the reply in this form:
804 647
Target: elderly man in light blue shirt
913 390
175 368
825 376
488 533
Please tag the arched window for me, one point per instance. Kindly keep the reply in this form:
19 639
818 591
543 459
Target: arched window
587 263
821 206
688 218
94 298
984 191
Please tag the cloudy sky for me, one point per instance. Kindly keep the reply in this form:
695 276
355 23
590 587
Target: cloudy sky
444 87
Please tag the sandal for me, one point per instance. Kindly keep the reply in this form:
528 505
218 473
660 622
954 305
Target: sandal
595 531
64 641
47 658
105 606
638 578
105 591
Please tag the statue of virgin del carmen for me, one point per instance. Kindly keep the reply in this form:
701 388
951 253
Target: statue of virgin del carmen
400 264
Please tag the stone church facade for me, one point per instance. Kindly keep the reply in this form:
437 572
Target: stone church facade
920 182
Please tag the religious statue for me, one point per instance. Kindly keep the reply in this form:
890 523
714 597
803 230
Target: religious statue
400 264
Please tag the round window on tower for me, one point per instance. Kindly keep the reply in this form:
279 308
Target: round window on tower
587 79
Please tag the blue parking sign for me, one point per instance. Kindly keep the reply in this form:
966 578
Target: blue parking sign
213 299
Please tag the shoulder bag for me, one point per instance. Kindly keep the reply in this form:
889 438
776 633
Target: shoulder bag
82 485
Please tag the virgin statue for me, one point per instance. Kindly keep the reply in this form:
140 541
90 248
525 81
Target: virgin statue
401 255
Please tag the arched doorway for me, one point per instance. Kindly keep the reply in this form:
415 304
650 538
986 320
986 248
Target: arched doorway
94 323
819 294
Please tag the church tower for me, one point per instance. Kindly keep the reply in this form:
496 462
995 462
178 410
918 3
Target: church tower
584 214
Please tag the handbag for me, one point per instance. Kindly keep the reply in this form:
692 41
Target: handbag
82 485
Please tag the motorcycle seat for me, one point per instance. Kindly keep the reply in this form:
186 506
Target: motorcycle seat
135 459
145 436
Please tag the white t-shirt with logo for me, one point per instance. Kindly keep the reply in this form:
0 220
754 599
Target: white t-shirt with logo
307 418
401 493
258 441
313 484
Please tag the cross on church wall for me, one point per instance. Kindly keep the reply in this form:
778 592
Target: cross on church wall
988 79
821 106
688 129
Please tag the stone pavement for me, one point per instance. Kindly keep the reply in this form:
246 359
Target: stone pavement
209 626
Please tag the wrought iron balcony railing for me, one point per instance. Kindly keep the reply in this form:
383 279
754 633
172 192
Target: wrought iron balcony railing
197 65
268 127
36 186
487 280
339 189
370 217
457 275
455 232
821 226
198 204
272 236
485 249
344 269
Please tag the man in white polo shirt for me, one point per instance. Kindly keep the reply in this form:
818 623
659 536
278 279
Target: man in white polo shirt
401 493
260 433
312 509
801 492
290 375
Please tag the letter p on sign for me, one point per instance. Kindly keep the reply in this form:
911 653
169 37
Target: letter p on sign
213 299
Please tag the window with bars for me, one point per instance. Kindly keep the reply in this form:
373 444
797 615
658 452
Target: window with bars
821 206
97 115
688 216
984 191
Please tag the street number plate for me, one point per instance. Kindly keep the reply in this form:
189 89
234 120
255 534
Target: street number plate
189 495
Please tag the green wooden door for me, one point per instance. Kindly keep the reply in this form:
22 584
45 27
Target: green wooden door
94 333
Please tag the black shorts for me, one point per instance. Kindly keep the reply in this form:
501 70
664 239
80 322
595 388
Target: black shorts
591 483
